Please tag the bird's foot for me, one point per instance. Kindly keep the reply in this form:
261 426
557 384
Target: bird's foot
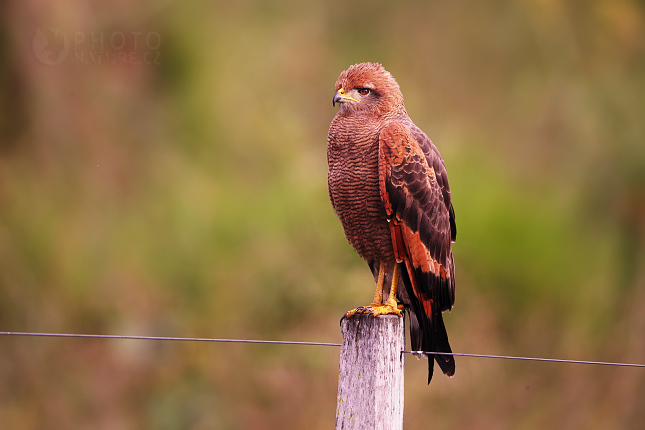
376 309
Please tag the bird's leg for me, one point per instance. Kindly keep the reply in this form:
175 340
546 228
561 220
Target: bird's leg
378 307
391 306
391 301
378 295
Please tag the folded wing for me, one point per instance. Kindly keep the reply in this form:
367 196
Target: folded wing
415 193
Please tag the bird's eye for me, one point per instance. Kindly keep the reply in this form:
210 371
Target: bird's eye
363 91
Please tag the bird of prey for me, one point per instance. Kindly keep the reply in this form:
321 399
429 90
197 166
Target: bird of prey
389 187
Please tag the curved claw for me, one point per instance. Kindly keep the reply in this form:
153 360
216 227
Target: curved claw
375 310
387 309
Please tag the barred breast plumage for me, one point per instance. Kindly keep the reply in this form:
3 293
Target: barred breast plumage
354 188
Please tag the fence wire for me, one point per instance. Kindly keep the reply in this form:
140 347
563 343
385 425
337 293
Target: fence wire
282 342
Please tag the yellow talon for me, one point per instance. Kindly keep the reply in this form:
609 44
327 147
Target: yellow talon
387 309
378 307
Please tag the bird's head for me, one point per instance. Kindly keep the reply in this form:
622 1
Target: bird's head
368 87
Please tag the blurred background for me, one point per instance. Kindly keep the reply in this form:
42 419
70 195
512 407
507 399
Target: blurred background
163 172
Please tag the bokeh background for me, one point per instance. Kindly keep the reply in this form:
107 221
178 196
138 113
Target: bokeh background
163 172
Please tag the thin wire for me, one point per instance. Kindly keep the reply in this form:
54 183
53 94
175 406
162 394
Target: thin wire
191 339
510 357
280 342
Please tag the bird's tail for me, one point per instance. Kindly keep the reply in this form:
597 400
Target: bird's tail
432 338
428 333
437 339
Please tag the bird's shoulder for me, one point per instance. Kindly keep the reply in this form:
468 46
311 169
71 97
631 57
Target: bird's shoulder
418 140
403 136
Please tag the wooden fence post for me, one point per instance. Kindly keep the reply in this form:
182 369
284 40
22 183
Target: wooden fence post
370 381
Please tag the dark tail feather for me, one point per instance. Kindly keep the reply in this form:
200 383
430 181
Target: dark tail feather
418 342
416 335
440 344
428 334
436 340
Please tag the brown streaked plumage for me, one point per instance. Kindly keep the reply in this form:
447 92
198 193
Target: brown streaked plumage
389 187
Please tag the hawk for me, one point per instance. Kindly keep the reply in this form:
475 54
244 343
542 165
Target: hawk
389 188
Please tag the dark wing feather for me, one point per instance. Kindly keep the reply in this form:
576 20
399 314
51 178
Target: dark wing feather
434 159
421 221
414 195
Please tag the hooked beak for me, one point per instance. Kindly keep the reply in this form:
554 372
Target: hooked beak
341 97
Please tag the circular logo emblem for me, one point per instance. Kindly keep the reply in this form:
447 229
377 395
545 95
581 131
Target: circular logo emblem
50 45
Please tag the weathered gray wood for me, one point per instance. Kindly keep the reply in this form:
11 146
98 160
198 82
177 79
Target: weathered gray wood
370 381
